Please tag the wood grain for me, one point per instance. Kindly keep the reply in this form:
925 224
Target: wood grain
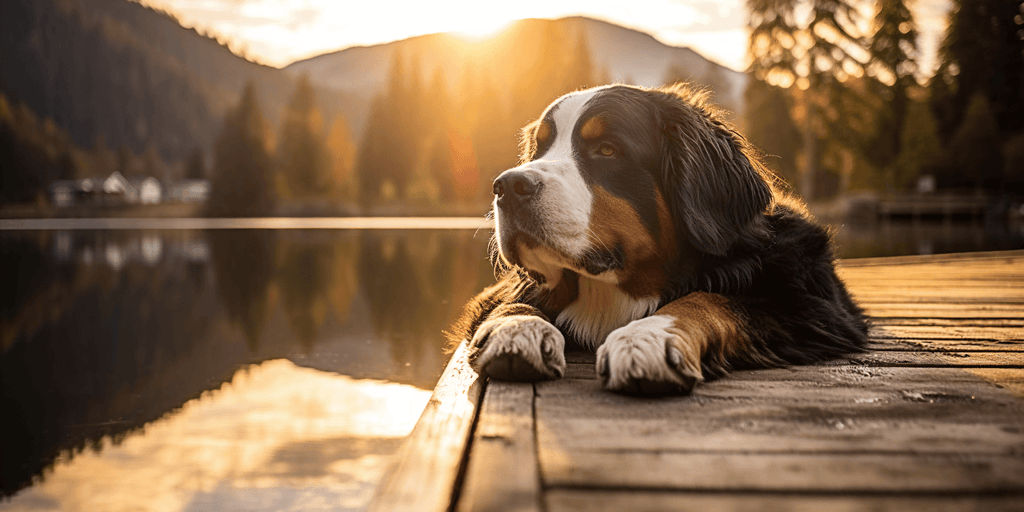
930 417
428 465
601 500
503 470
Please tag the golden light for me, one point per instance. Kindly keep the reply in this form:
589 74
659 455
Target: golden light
280 434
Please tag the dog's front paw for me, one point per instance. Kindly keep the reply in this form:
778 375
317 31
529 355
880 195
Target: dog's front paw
648 357
518 348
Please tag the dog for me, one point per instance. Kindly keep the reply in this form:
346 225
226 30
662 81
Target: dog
640 224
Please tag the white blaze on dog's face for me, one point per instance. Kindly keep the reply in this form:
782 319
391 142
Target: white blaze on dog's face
543 214
587 198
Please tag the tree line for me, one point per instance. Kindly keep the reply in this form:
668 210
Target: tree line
35 151
838 103
428 143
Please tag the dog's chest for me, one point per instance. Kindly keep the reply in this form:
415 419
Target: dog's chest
599 309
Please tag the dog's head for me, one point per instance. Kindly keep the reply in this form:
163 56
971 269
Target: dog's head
619 183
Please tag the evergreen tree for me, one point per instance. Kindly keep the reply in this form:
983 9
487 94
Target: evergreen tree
195 166
982 53
893 64
342 152
372 165
242 183
808 47
975 148
769 103
770 127
920 149
400 142
302 159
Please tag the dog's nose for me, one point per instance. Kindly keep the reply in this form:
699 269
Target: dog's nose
517 185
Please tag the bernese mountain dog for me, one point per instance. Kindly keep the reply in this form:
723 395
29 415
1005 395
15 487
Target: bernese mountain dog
642 225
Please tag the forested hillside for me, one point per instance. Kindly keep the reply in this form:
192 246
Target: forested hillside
119 73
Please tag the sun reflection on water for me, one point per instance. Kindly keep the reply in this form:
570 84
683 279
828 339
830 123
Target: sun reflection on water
277 437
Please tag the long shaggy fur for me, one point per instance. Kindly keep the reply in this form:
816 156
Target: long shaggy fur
737 235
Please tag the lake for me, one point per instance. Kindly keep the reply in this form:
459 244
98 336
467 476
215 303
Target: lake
180 365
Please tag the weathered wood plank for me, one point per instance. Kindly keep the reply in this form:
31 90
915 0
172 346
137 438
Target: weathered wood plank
503 472
940 359
1017 323
424 478
884 414
599 500
968 297
988 333
883 308
994 258
754 472
929 418
922 345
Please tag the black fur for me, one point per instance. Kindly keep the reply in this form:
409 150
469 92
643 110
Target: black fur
738 234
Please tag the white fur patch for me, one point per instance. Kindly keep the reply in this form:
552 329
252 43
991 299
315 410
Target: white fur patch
647 349
566 202
600 308
532 338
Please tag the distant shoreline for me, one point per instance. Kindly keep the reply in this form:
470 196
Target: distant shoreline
200 223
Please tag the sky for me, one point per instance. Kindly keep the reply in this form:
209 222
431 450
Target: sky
278 32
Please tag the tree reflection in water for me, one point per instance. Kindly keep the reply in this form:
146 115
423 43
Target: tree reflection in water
105 332
243 261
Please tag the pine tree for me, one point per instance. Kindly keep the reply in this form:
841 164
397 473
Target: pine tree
242 183
1013 164
302 159
195 166
769 103
975 148
399 147
770 127
982 54
893 64
371 168
342 152
920 148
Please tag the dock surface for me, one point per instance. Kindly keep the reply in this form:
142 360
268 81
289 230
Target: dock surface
931 417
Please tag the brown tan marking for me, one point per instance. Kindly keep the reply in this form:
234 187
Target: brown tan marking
615 221
543 132
593 128
709 329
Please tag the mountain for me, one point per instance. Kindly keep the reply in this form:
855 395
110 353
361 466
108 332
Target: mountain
119 72
625 55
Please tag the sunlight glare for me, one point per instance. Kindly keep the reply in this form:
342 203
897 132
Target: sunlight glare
278 433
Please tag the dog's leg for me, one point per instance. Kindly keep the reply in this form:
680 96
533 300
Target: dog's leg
661 354
516 343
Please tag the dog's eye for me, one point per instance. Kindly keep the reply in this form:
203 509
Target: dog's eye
606 150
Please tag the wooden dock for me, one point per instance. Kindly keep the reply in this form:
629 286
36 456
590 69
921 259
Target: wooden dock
930 418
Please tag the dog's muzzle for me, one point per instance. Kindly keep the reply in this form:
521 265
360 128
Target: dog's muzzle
517 187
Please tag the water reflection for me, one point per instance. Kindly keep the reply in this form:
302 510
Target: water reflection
104 332
899 238
277 437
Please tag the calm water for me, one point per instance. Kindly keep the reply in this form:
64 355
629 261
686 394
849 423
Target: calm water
247 369
221 369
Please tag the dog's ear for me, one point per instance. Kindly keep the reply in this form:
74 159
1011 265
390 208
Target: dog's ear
528 141
711 180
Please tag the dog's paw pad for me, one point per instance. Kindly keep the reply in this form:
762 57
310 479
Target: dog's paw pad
518 348
645 358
